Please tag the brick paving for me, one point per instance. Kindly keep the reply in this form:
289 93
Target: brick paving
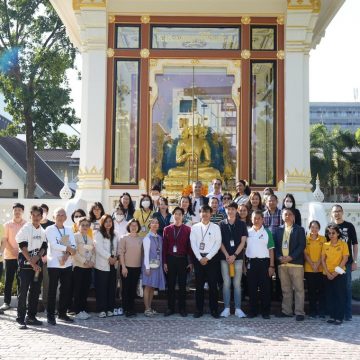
180 338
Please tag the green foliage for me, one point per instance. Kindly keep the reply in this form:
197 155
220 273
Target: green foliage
35 53
334 156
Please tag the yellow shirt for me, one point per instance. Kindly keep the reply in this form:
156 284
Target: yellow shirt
144 219
313 250
286 240
334 254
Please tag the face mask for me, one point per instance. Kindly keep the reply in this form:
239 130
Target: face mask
288 204
119 218
146 204
155 197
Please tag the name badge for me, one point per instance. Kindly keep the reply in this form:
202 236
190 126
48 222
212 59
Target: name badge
174 249
232 243
285 245
143 228
202 246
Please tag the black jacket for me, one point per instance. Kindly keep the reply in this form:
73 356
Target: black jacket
297 243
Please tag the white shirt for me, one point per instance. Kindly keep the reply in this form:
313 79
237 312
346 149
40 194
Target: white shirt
258 244
210 234
55 248
197 207
34 237
120 228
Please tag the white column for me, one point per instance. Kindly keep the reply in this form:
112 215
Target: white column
299 28
93 25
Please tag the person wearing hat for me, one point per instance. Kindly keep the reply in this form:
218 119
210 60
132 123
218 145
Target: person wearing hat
11 251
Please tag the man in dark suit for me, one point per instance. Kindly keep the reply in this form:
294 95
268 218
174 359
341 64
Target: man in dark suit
290 243
198 200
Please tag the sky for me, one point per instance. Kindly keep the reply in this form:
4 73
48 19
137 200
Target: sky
334 64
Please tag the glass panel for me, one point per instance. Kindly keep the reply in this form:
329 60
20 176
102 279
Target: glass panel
263 38
125 166
263 124
127 37
194 126
195 38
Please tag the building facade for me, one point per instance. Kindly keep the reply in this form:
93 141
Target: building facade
183 90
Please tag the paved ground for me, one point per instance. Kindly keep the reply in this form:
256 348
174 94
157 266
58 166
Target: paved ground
179 338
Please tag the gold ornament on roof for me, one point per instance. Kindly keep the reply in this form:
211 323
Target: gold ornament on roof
110 52
145 19
245 54
280 54
280 20
144 53
245 20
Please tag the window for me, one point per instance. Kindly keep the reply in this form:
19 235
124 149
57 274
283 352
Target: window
195 38
263 38
125 132
263 123
127 37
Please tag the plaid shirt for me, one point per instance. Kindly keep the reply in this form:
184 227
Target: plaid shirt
272 221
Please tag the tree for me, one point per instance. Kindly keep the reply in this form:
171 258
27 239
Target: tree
35 52
334 156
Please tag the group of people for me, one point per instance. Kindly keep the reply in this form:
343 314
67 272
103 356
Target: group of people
221 238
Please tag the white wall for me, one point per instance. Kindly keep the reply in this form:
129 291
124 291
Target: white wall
10 180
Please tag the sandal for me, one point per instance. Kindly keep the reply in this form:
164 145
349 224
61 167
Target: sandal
148 313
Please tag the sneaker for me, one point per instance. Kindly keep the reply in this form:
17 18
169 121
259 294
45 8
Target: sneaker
148 313
110 314
154 312
239 313
225 313
102 314
65 318
21 324
79 316
33 321
115 312
86 315
5 307
120 311
206 286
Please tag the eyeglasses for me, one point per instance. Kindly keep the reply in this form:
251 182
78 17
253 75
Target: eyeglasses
226 198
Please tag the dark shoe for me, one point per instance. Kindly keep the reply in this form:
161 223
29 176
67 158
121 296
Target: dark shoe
215 314
251 316
130 314
51 321
2 312
338 322
21 324
283 315
33 321
266 316
183 313
169 312
331 321
198 314
300 317
65 318
322 316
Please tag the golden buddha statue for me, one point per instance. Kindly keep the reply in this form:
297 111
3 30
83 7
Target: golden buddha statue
194 153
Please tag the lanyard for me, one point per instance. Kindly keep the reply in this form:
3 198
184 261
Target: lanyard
176 235
163 219
231 227
61 235
142 215
202 234
85 239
